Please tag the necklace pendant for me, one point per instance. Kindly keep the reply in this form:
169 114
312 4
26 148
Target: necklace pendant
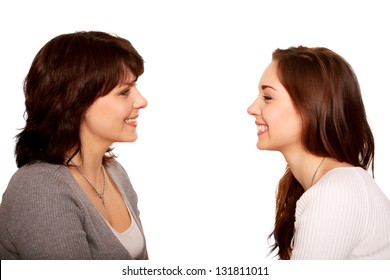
100 195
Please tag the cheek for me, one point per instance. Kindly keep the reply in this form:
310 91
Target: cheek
285 121
96 115
109 111
100 118
293 124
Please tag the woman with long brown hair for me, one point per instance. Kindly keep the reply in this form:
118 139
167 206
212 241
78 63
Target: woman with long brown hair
328 205
70 197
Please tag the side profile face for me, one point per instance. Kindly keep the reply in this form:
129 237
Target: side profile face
113 117
278 122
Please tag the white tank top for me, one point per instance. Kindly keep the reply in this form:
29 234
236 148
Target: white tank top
131 238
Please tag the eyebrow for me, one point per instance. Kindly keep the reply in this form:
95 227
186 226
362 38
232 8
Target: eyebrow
128 83
263 87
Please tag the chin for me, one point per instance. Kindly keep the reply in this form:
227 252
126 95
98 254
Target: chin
128 138
260 146
263 147
133 138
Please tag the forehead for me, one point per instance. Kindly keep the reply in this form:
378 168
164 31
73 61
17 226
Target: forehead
269 77
127 77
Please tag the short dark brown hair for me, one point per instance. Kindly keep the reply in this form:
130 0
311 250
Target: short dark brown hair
66 76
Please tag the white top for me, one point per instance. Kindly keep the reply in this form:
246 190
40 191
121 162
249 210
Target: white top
131 238
343 216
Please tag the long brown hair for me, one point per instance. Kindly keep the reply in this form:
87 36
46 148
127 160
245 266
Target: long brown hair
66 76
326 92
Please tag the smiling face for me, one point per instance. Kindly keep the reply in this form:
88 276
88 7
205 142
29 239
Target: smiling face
279 124
113 117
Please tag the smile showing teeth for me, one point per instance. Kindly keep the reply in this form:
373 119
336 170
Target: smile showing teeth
262 128
130 120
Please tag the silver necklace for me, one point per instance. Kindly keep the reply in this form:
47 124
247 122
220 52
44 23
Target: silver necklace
315 173
100 195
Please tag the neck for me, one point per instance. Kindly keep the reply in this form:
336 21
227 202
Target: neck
92 172
89 163
305 167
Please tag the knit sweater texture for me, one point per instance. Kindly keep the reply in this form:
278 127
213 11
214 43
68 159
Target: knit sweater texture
344 216
44 214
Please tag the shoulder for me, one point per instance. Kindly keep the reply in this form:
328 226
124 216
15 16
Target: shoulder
343 179
36 182
339 187
39 173
39 191
114 166
117 171
119 175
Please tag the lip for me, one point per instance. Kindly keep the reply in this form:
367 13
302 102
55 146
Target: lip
132 121
259 123
261 128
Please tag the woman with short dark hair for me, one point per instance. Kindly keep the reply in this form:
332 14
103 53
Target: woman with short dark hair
70 198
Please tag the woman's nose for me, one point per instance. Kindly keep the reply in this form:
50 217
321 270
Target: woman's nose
254 108
140 101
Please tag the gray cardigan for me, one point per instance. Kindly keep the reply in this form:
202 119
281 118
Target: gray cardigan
44 214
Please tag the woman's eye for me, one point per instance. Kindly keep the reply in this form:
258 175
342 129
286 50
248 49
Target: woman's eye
125 92
267 98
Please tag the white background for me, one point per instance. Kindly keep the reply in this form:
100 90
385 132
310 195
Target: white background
205 192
